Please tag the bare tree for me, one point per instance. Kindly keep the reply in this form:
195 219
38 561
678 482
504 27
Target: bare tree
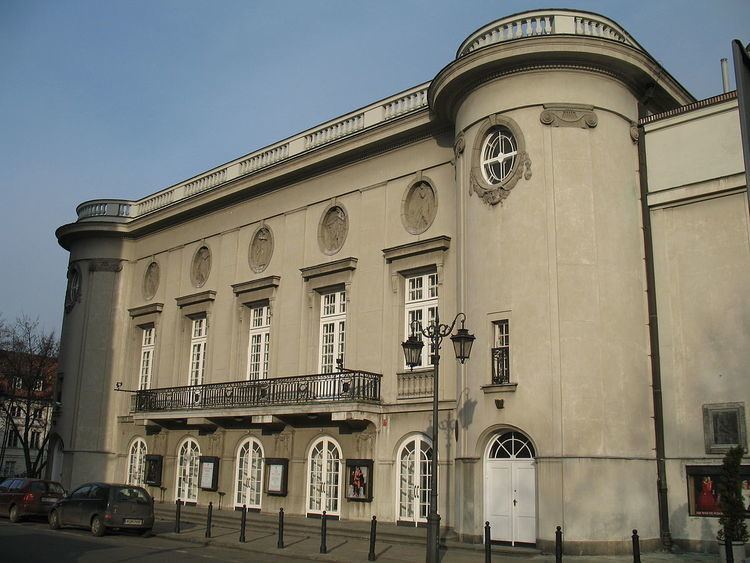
28 372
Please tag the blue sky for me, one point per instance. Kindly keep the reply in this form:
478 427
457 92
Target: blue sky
122 98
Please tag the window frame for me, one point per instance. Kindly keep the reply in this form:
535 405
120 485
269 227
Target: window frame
427 304
336 319
199 342
502 343
258 369
148 353
709 430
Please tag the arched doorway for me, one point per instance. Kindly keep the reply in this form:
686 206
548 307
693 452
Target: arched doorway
188 461
414 480
510 488
324 477
249 474
137 462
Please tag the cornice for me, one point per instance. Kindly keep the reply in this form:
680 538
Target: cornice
328 268
439 243
195 298
256 285
150 309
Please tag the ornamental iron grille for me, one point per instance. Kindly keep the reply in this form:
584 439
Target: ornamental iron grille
501 353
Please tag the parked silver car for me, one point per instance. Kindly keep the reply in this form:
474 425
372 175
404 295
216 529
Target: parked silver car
105 506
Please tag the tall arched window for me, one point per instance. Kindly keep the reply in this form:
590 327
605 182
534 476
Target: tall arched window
137 462
249 474
324 477
188 460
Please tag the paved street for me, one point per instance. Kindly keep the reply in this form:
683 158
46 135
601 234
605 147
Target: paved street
33 542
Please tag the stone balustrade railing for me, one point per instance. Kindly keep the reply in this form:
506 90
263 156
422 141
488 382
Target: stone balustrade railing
545 22
404 103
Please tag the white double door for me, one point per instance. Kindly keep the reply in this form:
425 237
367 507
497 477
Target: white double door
510 499
415 458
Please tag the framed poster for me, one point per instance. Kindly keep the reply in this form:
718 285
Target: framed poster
209 473
359 480
703 490
277 476
154 464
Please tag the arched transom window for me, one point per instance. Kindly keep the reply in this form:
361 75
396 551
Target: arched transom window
511 445
137 462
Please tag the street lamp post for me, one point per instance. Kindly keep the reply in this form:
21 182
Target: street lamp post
462 341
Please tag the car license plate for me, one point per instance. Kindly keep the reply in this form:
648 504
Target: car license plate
48 500
133 521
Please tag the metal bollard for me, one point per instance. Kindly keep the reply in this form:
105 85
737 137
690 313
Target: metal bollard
373 531
280 543
243 521
728 548
177 517
636 547
487 543
208 519
558 545
323 547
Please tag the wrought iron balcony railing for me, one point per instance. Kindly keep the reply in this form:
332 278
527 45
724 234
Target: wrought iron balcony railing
500 365
360 386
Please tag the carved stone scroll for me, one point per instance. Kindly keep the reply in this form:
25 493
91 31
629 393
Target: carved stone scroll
569 115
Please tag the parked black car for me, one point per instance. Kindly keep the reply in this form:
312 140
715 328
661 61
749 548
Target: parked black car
105 506
21 497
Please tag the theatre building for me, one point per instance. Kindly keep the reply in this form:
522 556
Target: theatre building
240 333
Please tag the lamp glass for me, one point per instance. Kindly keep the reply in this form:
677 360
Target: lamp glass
462 342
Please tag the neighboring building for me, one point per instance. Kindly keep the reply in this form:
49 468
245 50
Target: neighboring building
15 406
508 189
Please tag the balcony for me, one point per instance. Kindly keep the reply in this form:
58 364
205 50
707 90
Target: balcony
416 384
325 388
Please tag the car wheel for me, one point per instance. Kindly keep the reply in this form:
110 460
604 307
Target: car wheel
97 527
54 520
15 514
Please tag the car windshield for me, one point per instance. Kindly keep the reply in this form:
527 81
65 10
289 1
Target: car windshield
131 494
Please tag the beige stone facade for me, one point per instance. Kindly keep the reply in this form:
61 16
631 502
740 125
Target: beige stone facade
254 277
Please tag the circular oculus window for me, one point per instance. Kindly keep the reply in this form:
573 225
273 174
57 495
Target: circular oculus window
499 154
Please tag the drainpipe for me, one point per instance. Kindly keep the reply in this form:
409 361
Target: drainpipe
653 332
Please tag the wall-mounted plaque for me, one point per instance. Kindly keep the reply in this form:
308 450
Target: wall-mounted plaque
209 473
359 480
277 476
154 464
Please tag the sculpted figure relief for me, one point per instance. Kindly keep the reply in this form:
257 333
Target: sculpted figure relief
201 267
261 249
73 291
333 230
151 280
420 207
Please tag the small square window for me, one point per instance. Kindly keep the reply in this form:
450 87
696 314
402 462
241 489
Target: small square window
724 426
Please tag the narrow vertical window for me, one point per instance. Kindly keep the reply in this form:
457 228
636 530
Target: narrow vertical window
259 342
148 340
199 333
137 462
421 305
332 329
501 352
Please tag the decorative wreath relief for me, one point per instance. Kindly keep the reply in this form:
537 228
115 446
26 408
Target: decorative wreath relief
419 206
333 229
499 159
201 266
151 281
261 249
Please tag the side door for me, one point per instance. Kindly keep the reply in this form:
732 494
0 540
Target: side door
498 500
70 508
95 503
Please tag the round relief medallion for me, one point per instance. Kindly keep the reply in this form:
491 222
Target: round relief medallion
201 266
73 291
261 249
151 281
333 229
419 206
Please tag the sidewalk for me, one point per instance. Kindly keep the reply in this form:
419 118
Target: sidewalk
348 543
